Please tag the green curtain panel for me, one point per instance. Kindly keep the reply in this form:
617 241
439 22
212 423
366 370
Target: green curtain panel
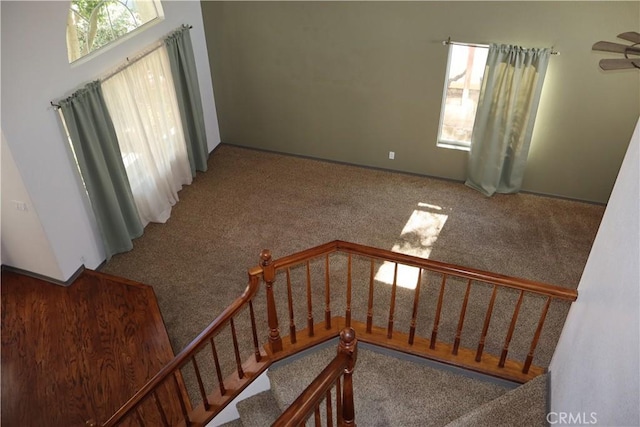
185 79
507 108
97 152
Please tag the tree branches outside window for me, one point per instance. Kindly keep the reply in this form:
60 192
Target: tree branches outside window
92 24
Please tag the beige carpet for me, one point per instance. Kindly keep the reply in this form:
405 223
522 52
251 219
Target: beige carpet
390 391
249 200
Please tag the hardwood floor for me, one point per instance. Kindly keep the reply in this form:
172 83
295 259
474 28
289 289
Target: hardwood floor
71 354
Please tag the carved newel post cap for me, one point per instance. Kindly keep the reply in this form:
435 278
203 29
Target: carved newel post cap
348 345
348 335
265 257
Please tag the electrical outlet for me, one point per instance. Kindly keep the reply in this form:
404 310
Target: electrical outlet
392 155
20 206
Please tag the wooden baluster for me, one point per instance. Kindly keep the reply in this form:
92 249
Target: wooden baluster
414 314
183 406
329 409
236 349
309 302
512 326
348 314
254 333
139 416
316 416
163 416
436 320
392 307
487 320
203 393
348 345
339 420
327 294
292 324
223 391
536 337
370 303
463 311
269 276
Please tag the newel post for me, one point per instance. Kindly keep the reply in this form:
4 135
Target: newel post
348 345
269 276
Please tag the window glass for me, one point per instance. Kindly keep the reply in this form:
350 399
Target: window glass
465 70
92 24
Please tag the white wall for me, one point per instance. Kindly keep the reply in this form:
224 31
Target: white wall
22 232
596 365
35 71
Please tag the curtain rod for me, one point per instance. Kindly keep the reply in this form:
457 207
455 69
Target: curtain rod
448 41
157 45
130 61
148 50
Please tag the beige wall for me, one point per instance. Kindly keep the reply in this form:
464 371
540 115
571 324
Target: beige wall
351 81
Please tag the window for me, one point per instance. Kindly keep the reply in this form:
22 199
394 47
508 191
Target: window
92 24
465 70
142 103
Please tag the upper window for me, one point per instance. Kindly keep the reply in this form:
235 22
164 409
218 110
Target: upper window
92 24
465 70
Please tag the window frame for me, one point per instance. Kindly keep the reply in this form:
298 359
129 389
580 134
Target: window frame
445 143
95 52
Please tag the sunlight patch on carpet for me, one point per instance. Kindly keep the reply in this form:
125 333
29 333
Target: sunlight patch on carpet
417 238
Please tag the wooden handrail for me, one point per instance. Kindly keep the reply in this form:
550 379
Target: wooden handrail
186 354
428 264
455 270
310 399
307 254
394 338
306 403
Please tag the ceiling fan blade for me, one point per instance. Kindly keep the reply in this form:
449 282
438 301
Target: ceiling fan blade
632 36
616 47
619 64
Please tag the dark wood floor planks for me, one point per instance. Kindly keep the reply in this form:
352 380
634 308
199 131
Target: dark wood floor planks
70 354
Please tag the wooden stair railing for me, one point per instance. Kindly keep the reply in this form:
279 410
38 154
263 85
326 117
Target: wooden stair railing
431 344
146 404
310 400
412 339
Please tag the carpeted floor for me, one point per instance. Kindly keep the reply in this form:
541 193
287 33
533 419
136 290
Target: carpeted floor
250 200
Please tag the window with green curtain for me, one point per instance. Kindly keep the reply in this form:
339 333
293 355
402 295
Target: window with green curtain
137 137
99 159
185 78
507 108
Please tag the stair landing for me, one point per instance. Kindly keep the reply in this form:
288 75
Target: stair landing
77 353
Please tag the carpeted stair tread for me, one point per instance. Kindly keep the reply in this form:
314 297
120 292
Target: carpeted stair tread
390 391
259 410
523 406
234 423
